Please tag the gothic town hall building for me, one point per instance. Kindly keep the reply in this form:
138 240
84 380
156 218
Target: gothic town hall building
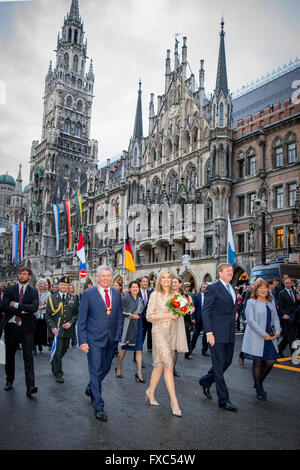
202 159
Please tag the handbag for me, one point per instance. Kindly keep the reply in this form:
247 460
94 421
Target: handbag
2 352
271 330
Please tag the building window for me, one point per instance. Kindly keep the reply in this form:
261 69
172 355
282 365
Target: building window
279 197
277 154
69 102
279 238
252 168
291 152
67 126
241 243
241 206
78 130
208 246
251 199
221 115
292 189
75 64
291 236
79 105
241 168
209 210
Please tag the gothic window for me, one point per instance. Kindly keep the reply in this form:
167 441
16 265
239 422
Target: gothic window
169 146
79 83
186 138
209 210
69 102
221 115
75 63
277 153
70 34
291 147
67 78
78 129
76 36
176 143
66 60
66 171
251 163
67 126
208 246
292 188
73 80
79 105
135 158
241 243
194 134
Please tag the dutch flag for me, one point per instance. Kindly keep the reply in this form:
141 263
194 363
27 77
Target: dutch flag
230 245
81 253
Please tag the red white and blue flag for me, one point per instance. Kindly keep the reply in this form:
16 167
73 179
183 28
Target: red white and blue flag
18 241
80 252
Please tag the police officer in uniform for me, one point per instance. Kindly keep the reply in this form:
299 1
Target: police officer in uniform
54 290
62 313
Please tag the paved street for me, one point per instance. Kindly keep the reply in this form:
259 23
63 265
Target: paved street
61 416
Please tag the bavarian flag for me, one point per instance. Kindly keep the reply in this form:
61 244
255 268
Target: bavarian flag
129 261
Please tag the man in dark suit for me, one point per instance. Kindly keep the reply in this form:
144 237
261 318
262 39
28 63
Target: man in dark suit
287 309
198 301
219 316
99 328
2 288
19 304
147 326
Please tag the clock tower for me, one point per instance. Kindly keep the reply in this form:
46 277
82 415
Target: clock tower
60 162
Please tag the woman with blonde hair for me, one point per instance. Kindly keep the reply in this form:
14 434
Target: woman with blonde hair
162 323
260 339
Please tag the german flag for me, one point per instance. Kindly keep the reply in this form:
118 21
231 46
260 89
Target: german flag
129 261
68 222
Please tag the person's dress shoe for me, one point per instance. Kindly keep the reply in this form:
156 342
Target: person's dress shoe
31 391
40 348
100 414
228 406
60 380
175 373
149 350
187 357
8 386
138 380
206 390
204 353
241 361
120 376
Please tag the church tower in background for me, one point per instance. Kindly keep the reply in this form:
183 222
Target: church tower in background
59 163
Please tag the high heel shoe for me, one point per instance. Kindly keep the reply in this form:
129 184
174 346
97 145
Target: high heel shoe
176 413
120 376
138 380
153 403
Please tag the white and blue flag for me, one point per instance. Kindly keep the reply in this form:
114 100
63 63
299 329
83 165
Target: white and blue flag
54 346
230 245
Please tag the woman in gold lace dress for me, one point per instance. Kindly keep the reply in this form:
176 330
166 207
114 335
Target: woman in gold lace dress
162 322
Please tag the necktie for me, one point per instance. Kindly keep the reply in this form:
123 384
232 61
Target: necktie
229 290
21 295
64 298
145 299
292 295
107 302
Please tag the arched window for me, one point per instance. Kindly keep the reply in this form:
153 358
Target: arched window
291 147
73 80
169 146
79 83
66 170
75 63
208 214
67 126
221 115
69 101
251 163
135 157
194 134
70 35
76 35
78 129
79 105
66 60
277 153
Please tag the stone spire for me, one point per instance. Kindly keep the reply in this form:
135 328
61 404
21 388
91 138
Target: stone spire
138 123
19 181
74 11
221 83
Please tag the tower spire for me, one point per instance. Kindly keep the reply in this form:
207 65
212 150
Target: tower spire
221 83
138 123
74 11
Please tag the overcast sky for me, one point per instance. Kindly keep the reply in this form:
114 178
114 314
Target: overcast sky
127 40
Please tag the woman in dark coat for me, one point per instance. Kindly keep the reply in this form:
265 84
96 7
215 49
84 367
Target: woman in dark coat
132 339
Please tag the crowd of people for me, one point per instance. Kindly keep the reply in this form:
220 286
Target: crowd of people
107 322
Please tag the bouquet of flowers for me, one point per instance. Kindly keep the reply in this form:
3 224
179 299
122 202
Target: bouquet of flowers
180 305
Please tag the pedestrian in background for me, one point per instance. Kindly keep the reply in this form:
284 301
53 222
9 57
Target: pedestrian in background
72 292
40 336
260 339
